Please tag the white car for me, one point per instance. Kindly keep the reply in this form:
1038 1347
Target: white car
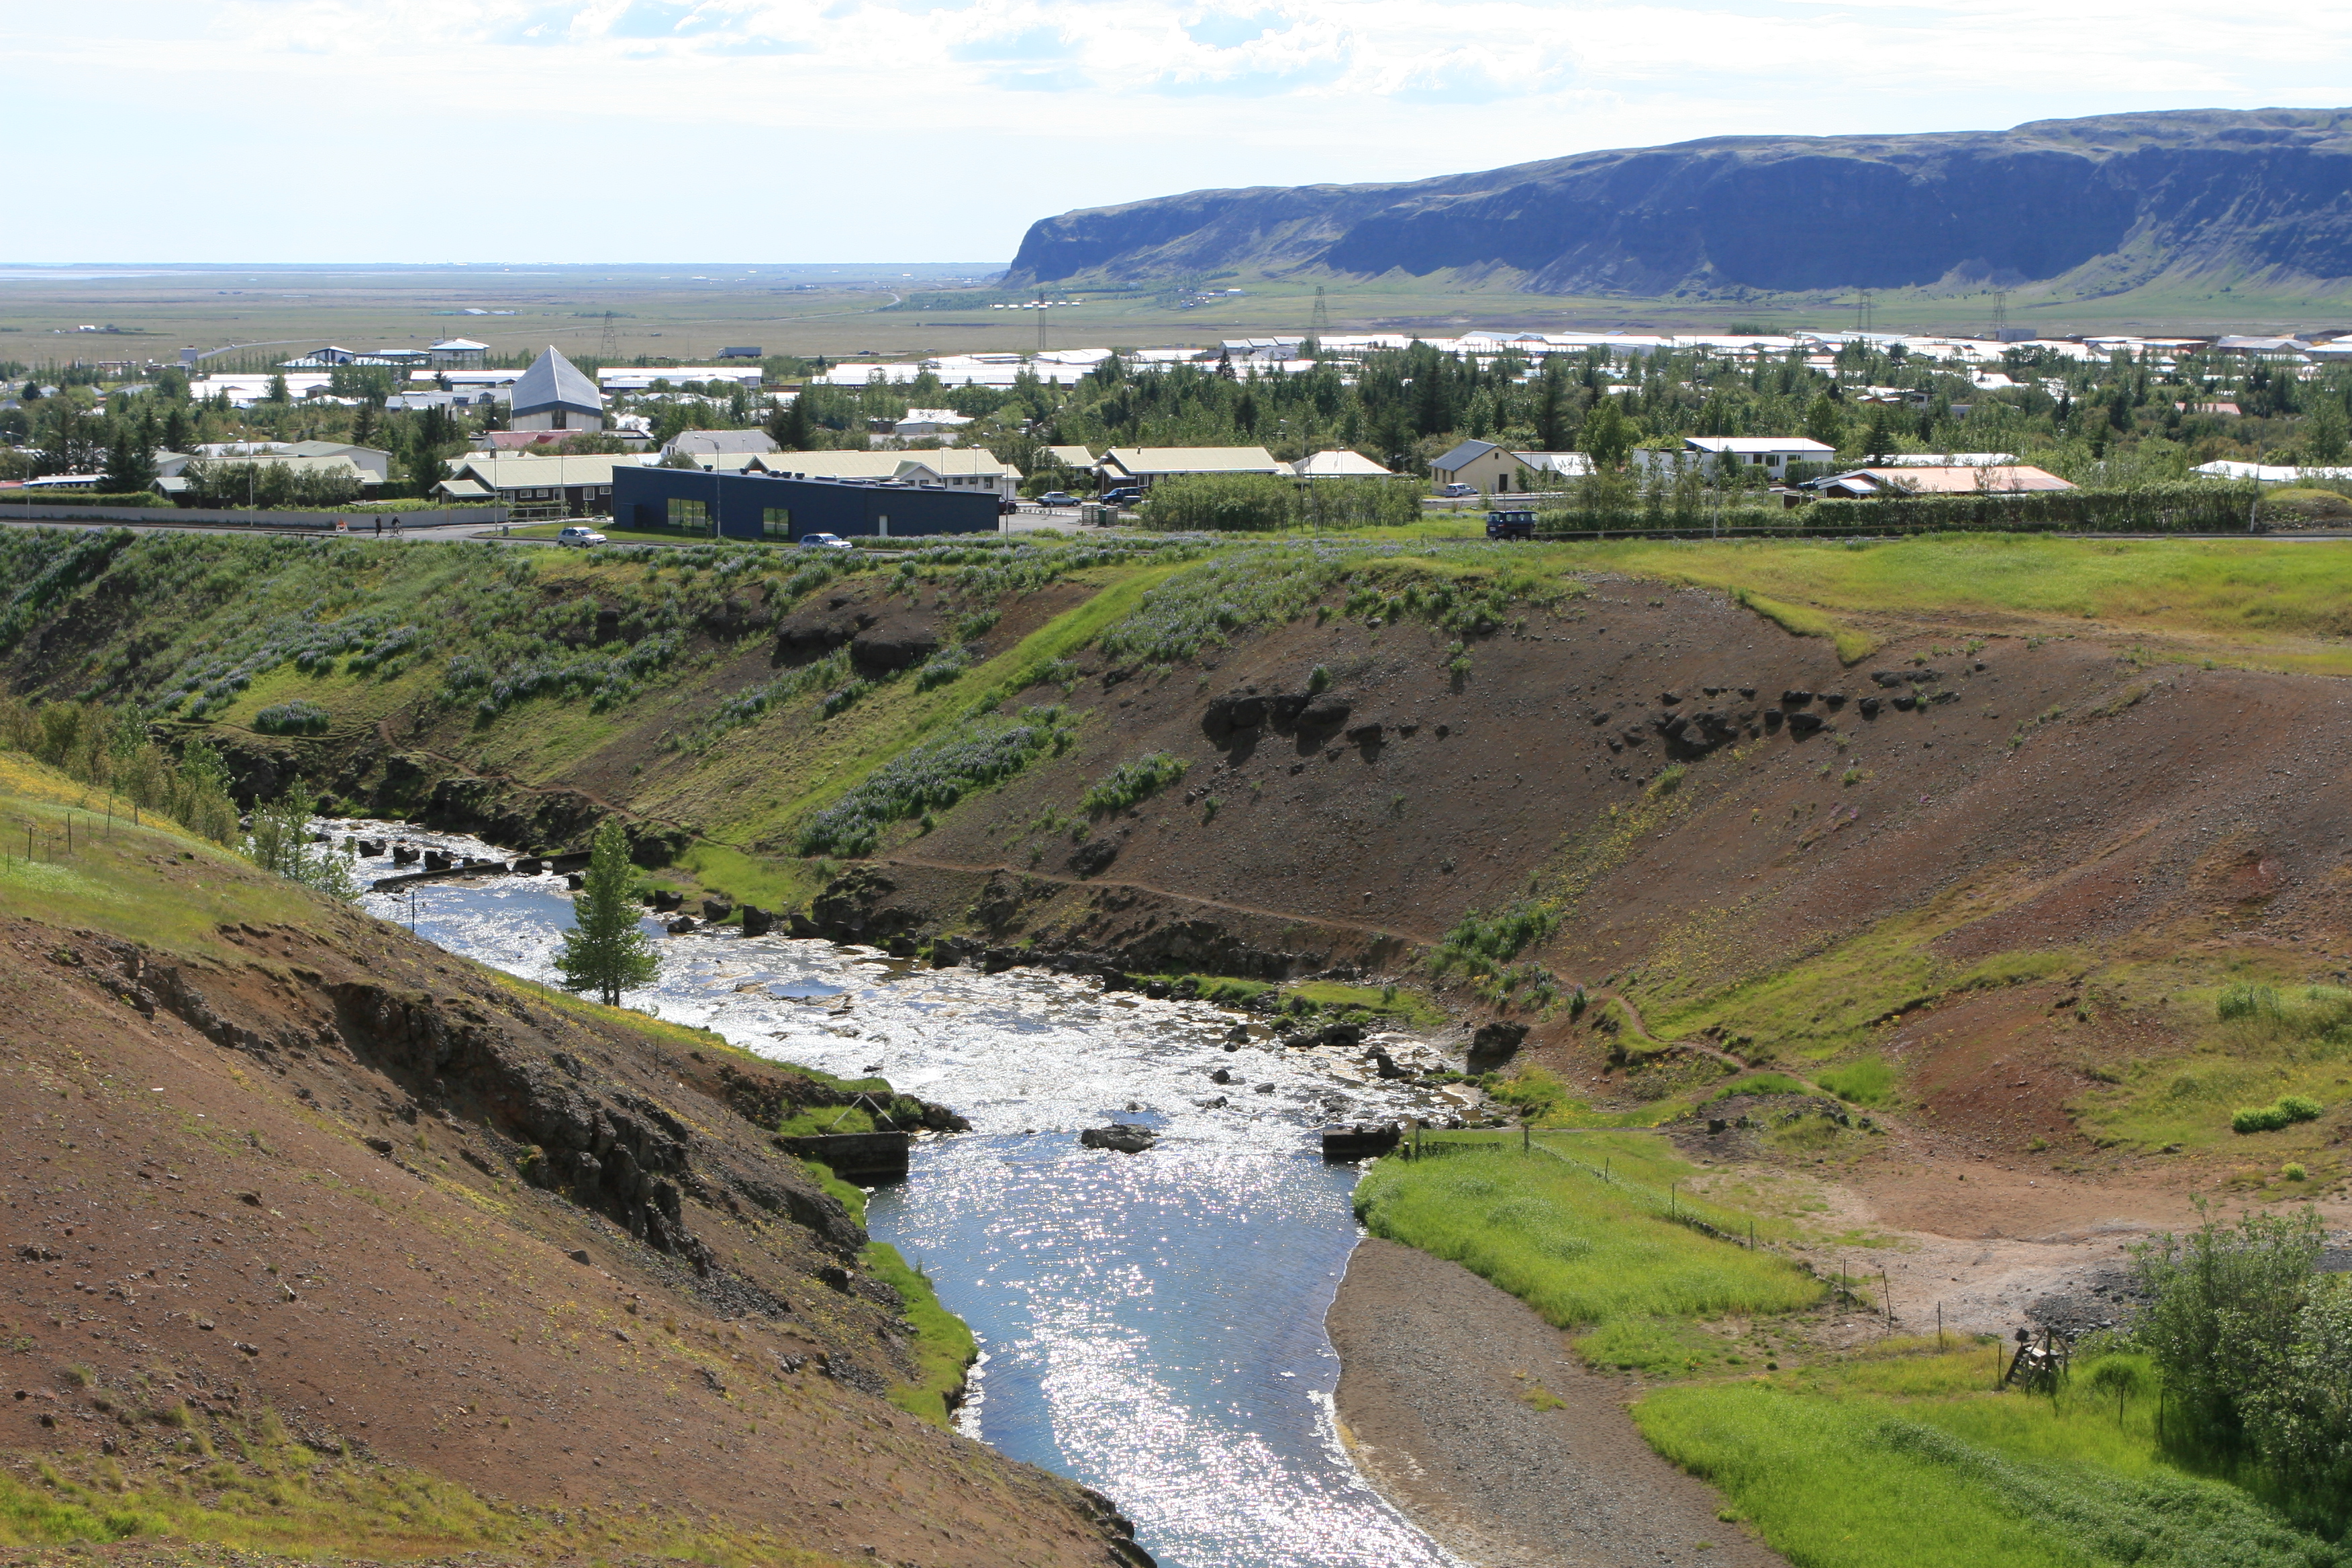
825 541
582 537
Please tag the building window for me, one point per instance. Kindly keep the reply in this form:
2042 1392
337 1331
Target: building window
562 420
688 516
776 522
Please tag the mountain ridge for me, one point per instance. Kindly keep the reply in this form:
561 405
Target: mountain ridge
2104 202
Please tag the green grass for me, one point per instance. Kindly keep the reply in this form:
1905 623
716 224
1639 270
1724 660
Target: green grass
2250 597
1853 647
251 1489
1905 1463
943 1342
1395 1002
1866 1080
1759 1083
1577 1249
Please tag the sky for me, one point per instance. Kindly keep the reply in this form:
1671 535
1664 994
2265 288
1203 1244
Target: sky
809 130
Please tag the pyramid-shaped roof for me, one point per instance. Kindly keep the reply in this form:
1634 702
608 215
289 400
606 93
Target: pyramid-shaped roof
554 382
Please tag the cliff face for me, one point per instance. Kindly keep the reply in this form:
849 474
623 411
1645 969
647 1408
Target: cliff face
2264 190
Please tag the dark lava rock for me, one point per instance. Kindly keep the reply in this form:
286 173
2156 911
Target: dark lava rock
1093 856
1795 699
1803 724
1228 714
1867 707
680 926
1328 715
758 921
1494 1044
812 634
663 901
892 646
717 908
1126 1137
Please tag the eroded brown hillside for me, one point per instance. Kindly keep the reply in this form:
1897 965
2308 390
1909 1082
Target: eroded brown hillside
316 1169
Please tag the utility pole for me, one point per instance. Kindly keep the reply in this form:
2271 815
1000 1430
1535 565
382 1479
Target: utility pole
1041 321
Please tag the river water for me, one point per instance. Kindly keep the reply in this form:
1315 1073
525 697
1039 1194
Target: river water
1152 1324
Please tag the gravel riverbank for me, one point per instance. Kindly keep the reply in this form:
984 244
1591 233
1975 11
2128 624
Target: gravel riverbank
1438 1400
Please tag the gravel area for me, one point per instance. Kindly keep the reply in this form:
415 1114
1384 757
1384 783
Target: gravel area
1437 1402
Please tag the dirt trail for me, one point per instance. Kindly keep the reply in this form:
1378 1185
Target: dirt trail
1286 916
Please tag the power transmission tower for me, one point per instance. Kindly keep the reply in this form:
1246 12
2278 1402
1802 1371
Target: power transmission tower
1999 313
608 347
1321 322
1041 321
1864 311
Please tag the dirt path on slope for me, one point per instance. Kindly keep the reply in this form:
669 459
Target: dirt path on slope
1286 916
1436 1368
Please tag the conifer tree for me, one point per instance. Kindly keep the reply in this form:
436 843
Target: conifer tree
605 951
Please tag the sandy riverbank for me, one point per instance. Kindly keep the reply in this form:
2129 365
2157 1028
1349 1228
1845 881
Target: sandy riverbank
1437 1372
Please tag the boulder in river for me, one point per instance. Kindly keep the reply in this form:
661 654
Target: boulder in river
1126 1137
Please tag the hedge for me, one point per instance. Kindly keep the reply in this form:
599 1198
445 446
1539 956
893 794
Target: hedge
2186 508
78 498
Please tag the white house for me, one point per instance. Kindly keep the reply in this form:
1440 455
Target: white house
930 425
1144 465
700 443
1339 465
1772 454
1498 470
957 468
538 487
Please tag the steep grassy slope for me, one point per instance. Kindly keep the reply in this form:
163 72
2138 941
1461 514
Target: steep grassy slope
1980 829
321 1241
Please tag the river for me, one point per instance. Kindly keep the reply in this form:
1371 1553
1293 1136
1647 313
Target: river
1151 1324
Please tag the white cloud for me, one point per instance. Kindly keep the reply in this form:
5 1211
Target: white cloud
806 130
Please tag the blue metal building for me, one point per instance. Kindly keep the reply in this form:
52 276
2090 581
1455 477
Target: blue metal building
694 504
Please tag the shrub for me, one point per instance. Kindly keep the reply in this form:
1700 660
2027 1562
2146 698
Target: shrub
1481 944
1132 781
933 776
299 717
2248 1001
2287 1112
944 667
1224 503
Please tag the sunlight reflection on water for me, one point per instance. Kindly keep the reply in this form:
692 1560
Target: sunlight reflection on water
1152 1325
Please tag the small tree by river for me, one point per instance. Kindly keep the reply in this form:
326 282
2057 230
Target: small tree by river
605 951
